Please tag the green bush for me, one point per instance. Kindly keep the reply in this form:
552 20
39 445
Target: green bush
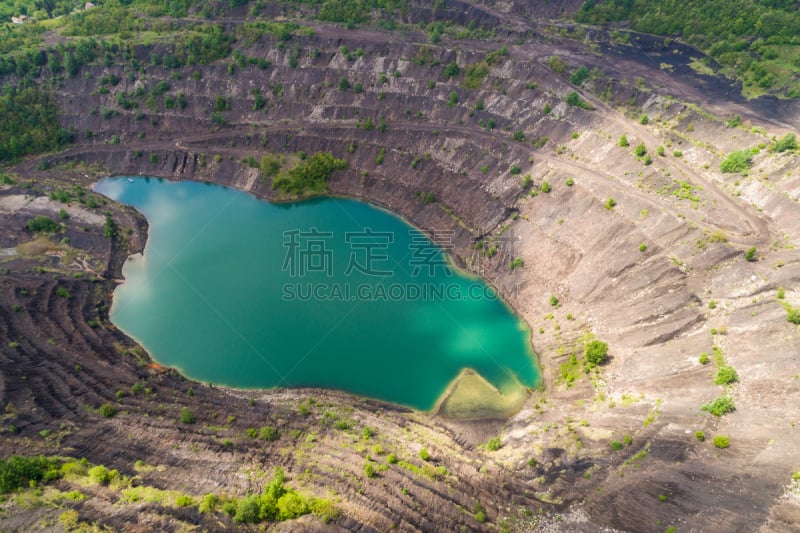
109 228
545 187
623 141
739 161
515 170
479 513
494 444
699 435
43 224
291 505
721 441
616 445
596 352
720 406
610 203
703 359
553 300
248 510
787 142
750 254
452 100
369 470
107 410
452 70
474 75
726 374
268 433
640 150
209 503
99 474
579 76
187 416
793 315
424 454
574 100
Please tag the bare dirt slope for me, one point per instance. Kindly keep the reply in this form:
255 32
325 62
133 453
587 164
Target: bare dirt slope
660 275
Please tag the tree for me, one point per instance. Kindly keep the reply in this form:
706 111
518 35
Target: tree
596 352
453 99
47 5
452 70
579 76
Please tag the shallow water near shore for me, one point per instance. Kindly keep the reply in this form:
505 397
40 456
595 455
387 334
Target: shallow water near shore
330 292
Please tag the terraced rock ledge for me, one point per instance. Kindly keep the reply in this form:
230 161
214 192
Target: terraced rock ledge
645 252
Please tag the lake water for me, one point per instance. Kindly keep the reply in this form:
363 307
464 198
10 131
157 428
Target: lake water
329 292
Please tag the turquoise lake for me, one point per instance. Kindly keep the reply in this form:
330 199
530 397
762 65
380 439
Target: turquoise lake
330 292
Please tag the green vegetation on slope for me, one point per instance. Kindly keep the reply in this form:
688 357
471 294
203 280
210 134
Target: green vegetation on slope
30 123
277 502
18 472
756 40
309 176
